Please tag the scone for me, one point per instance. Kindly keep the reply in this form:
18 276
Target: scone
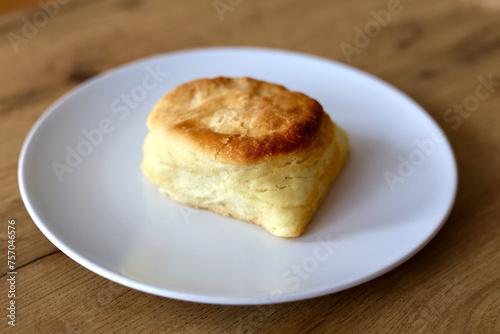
244 148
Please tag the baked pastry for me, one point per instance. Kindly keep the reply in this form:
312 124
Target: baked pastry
244 148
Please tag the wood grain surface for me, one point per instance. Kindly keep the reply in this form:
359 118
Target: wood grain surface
434 51
6 5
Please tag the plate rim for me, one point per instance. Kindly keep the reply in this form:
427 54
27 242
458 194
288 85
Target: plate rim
208 298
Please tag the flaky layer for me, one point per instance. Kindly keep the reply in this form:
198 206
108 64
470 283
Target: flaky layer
238 121
281 194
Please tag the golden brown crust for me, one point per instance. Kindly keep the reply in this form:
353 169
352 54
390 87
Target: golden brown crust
238 121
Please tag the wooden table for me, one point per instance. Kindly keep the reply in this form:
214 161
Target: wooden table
434 51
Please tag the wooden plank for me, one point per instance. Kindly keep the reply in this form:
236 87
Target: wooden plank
7 5
432 50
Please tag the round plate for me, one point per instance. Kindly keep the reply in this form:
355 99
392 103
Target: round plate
80 179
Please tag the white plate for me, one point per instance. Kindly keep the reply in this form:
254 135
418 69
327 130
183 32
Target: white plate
106 216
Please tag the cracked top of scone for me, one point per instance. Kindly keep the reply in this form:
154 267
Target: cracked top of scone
238 121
